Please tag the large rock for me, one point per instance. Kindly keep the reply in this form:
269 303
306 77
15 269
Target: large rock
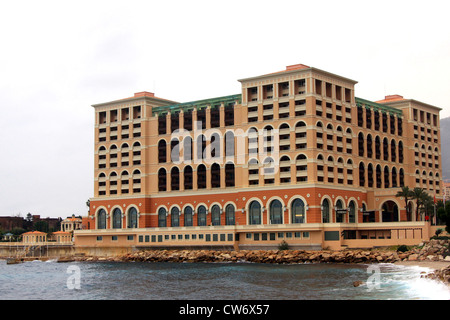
413 257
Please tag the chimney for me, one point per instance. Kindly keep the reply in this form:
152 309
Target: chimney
393 97
144 94
296 66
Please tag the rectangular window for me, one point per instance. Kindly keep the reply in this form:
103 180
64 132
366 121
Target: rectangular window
147 238
208 237
99 238
114 238
130 238
153 238
141 239
256 236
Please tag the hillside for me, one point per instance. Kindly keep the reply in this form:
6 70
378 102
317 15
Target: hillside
445 146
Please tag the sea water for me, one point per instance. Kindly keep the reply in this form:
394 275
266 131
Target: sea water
215 281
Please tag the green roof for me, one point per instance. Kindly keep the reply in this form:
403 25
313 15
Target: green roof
378 107
200 104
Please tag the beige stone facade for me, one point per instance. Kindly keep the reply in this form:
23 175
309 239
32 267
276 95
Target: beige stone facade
295 156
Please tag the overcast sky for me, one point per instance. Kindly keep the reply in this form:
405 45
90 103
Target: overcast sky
57 58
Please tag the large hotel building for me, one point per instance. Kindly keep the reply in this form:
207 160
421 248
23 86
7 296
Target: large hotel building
296 156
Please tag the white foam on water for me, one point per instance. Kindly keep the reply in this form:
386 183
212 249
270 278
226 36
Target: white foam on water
410 279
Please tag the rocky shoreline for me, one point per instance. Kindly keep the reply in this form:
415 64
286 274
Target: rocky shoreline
434 250
430 251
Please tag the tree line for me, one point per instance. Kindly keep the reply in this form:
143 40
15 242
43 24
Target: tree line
426 205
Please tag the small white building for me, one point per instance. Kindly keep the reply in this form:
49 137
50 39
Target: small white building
71 224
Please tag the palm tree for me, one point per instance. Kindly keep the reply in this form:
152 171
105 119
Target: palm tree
407 194
419 195
428 204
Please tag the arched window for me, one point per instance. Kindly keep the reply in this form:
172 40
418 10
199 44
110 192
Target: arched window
340 217
285 169
386 177
101 219
132 218
385 149
187 148
394 177
252 142
175 217
253 172
162 179
378 176
276 212
325 211
188 178
300 135
201 216
175 178
113 183
215 145
362 171
352 212
269 166
117 219
201 176
215 215
301 165
298 211
124 178
370 175
402 177
377 147
361 144
188 221
162 221
229 175
229 144
162 152
215 176
393 151
136 175
175 150
101 184
113 156
285 136
268 139
230 215
201 146
102 157
254 213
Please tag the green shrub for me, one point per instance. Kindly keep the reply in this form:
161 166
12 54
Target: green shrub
402 248
283 245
